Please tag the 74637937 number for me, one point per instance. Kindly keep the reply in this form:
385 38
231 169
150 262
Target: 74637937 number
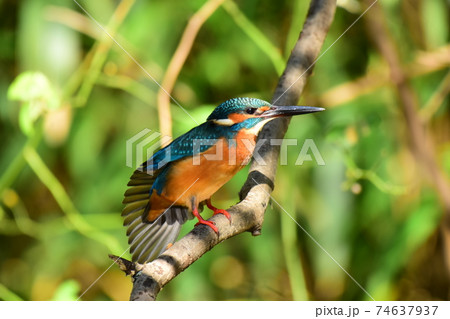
407 310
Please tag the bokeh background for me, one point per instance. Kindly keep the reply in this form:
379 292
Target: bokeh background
70 98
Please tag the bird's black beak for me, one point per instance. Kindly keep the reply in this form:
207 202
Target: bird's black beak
278 111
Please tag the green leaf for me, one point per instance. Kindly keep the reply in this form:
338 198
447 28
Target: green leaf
29 86
37 95
34 86
8 295
67 291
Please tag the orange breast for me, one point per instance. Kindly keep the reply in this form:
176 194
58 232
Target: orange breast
201 176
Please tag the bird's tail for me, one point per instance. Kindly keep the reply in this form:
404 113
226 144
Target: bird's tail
148 240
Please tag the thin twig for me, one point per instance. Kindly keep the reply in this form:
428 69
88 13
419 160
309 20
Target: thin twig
128 85
101 52
64 201
424 63
177 62
436 100
257 36
72 19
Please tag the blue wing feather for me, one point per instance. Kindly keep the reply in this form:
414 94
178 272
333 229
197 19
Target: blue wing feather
197 140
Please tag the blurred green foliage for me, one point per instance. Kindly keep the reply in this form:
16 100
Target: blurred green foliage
70 98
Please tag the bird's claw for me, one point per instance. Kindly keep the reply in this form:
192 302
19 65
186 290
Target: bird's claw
218 210
223 212
208 223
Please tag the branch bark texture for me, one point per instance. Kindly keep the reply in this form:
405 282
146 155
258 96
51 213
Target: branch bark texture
248 214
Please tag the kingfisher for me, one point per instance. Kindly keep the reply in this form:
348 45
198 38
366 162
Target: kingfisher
175 183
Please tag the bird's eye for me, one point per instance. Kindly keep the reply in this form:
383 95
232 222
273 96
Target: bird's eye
250 110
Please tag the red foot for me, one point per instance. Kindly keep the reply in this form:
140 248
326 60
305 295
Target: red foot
201 221
218 210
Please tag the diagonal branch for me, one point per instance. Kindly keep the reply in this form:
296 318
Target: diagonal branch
247 215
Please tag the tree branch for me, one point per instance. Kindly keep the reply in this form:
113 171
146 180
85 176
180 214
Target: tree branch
247 215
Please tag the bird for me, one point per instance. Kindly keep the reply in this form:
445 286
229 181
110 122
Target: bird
174 184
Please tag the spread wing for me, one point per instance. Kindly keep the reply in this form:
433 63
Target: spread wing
148 240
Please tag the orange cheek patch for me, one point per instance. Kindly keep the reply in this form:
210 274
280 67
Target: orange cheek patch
237 118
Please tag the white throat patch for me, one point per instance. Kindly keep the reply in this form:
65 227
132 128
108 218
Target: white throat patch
258 127
224 122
